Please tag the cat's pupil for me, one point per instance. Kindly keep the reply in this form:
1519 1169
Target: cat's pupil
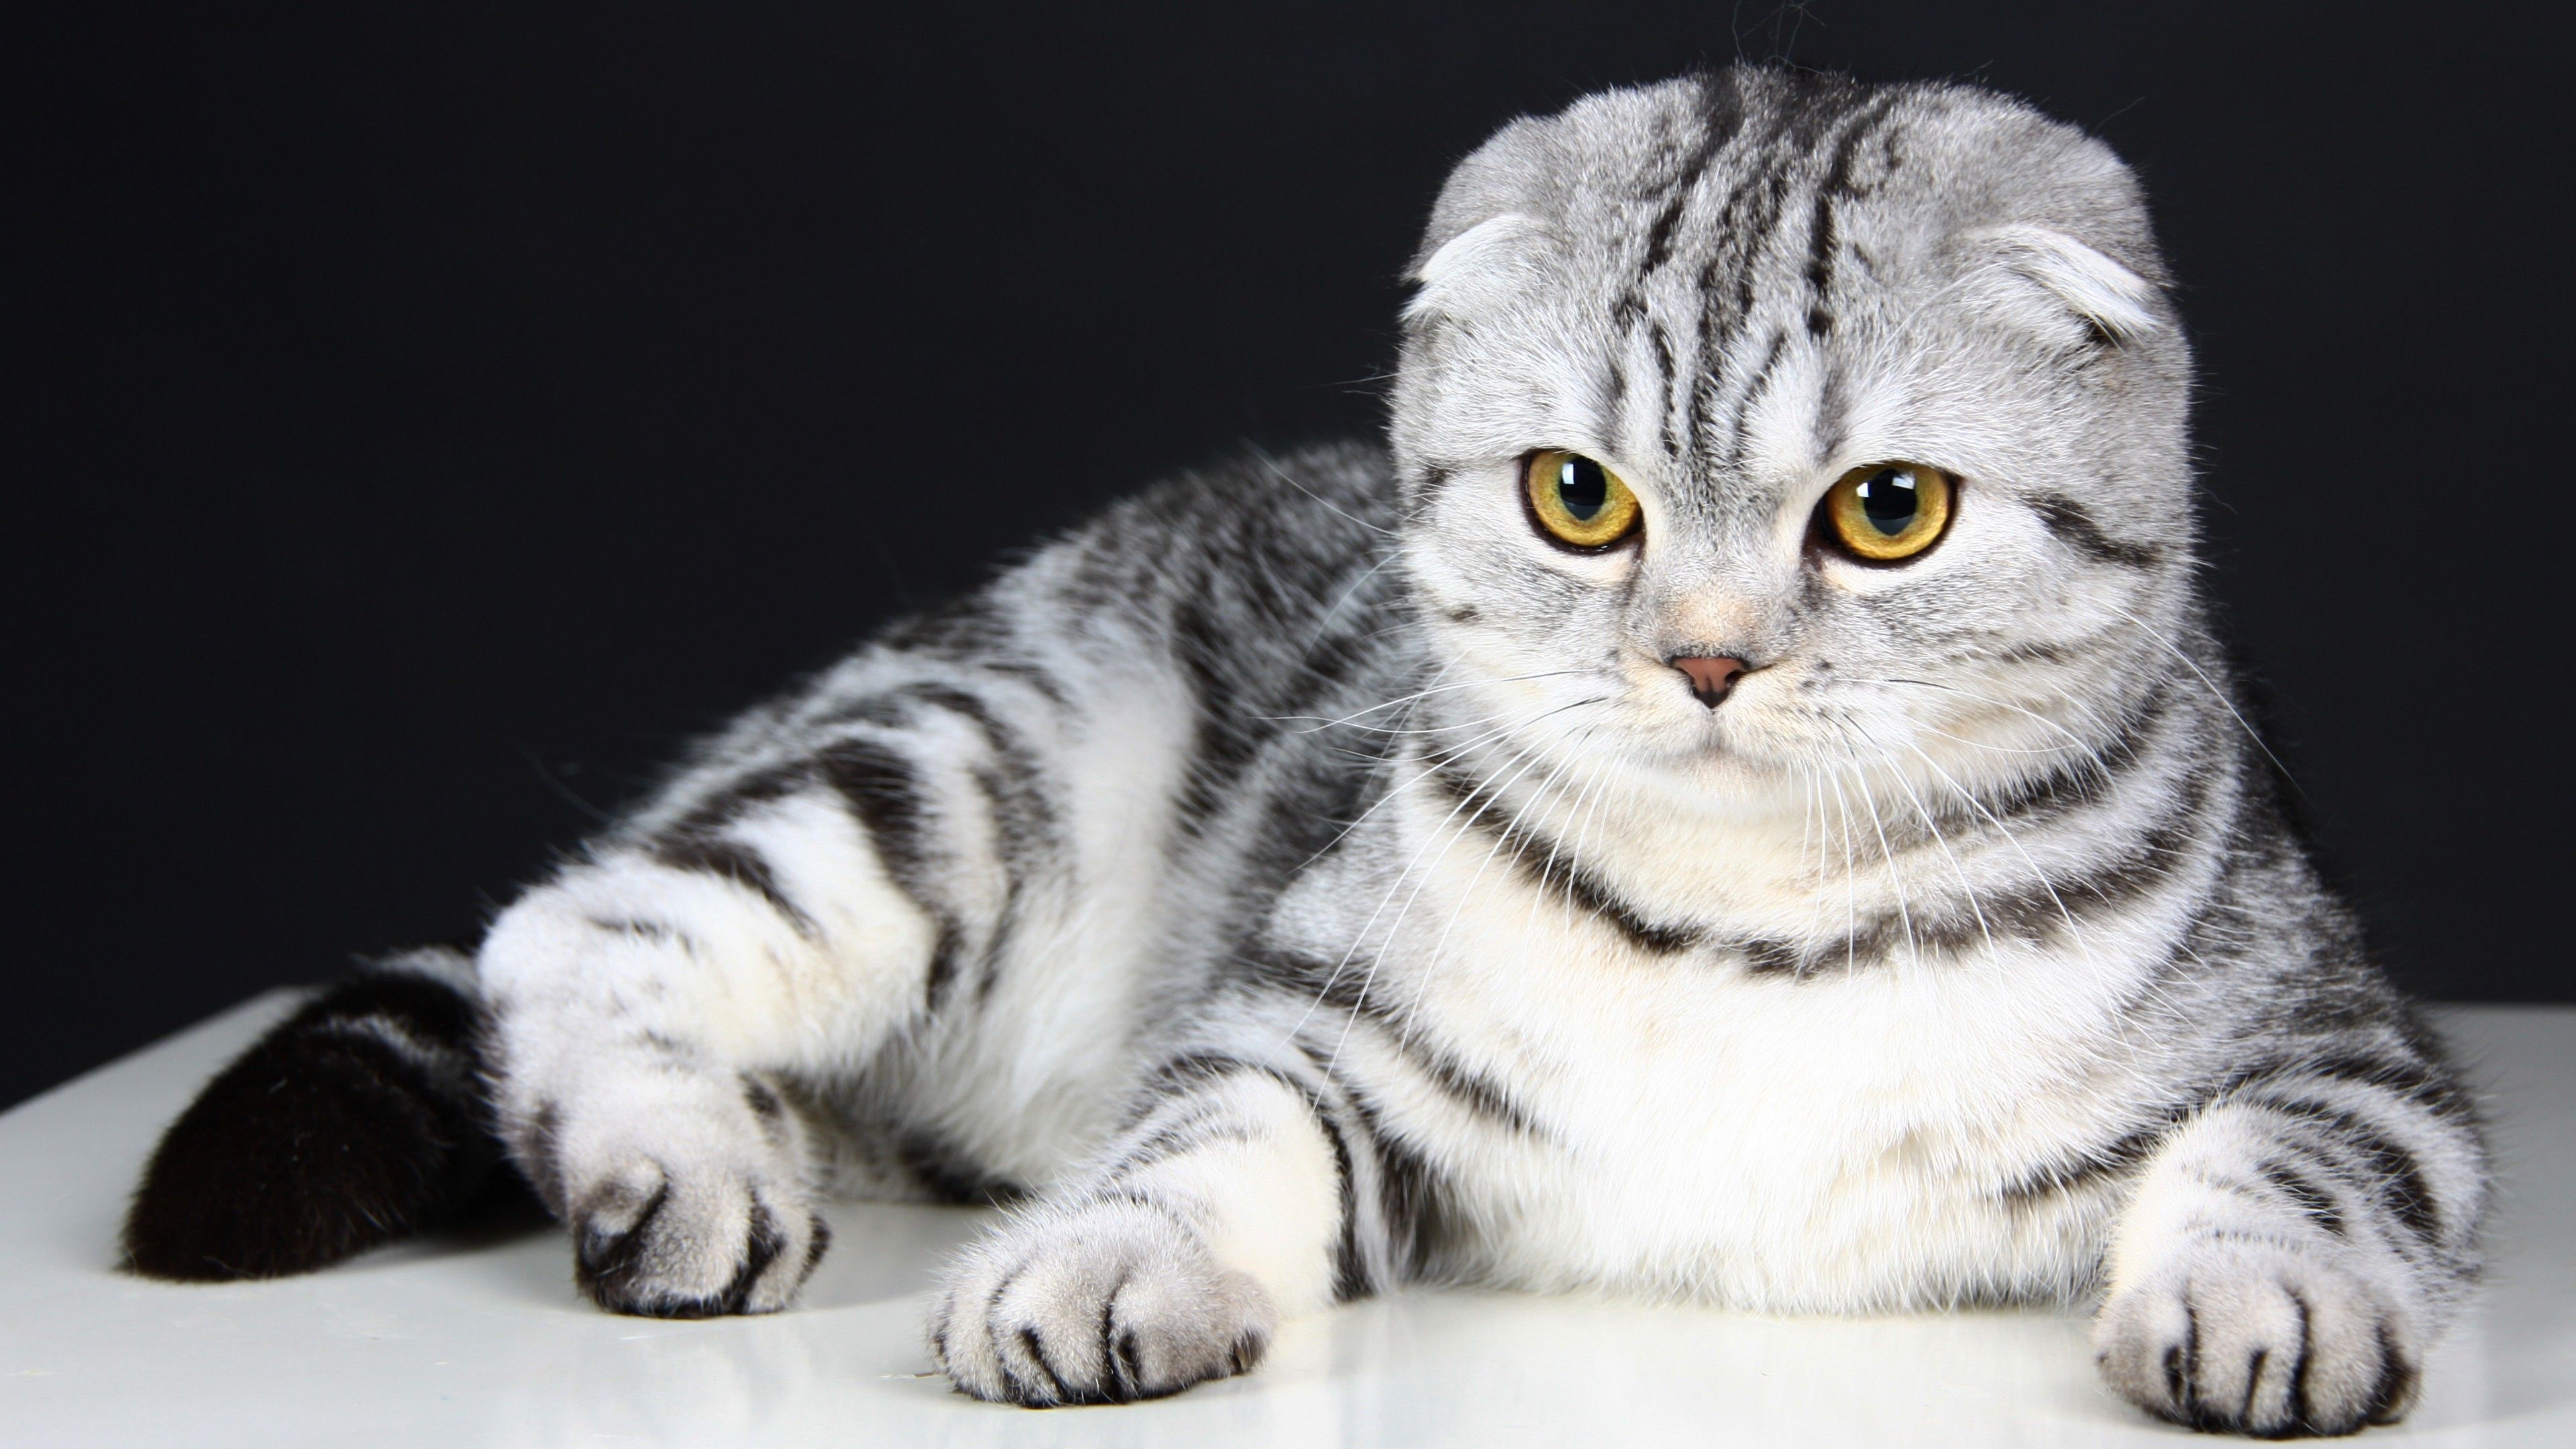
1582 487
1888 499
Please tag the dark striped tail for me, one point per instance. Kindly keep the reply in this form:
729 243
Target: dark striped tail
357 1121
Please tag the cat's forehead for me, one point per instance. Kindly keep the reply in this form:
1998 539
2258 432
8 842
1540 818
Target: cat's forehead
1746 173
1736 276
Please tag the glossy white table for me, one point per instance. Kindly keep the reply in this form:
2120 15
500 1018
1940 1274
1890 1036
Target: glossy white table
459 1342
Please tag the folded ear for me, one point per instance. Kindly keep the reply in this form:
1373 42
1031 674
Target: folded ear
2059 286
1486 263
1485 234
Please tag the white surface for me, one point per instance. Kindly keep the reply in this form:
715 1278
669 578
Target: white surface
458 1342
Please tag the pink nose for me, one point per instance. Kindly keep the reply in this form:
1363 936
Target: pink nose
1712 677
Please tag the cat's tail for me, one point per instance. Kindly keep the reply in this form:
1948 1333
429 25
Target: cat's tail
358 1120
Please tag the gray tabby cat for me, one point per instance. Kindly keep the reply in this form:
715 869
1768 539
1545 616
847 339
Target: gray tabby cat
1739 803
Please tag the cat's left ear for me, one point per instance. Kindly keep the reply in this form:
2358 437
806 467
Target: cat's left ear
2063 289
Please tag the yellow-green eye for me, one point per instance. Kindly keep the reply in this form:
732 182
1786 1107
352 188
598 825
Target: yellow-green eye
1888 511
1579 502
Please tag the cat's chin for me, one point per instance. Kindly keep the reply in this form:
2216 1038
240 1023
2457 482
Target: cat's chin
1733 767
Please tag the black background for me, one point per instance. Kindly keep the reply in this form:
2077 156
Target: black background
424 418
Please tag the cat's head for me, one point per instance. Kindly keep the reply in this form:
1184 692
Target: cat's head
1874 390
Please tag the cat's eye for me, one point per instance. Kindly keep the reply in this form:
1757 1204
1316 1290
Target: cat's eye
1577 501
1884 512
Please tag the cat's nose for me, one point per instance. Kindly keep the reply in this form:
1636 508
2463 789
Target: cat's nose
1712 677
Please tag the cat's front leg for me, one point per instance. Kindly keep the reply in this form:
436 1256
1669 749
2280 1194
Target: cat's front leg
2290 1251
642 1005
1225 1207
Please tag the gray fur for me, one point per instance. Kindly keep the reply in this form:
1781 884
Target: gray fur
1304 880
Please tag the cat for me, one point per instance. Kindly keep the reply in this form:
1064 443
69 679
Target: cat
1737 801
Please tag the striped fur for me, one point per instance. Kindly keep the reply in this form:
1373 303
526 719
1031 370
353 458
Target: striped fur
1303 880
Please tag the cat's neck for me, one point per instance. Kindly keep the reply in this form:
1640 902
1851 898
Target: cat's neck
1705 845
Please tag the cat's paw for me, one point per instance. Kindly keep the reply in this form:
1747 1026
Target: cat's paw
2246 1339
692 1210
1103 1304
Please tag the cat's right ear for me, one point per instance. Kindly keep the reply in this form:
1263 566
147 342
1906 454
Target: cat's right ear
1484 237
1488 262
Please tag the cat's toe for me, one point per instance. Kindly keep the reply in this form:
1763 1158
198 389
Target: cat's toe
693 1243
1107 1304
692 1249
685 1193
2267 1343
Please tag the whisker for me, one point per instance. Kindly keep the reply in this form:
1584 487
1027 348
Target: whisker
1437 759
1851 881
1887 857
1595 776
2211 685
1322 723
1956 868
1583 843
1511 826
1368 978
1436 835
1273 465
2082 943
2078 741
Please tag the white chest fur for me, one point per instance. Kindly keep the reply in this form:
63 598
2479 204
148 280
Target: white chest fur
1820 1144
1835 1141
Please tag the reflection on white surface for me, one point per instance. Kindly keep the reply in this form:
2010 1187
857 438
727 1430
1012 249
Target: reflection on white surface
482 1341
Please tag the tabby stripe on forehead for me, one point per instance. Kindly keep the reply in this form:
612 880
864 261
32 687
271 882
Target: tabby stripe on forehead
1825 231
1745 228
1753 394
1721 116
1612 405
1665 373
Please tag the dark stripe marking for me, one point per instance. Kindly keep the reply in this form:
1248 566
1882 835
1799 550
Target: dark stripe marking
2075 524
735 861
1552 868
884 794
2401 1186
2316 1202
1310 980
